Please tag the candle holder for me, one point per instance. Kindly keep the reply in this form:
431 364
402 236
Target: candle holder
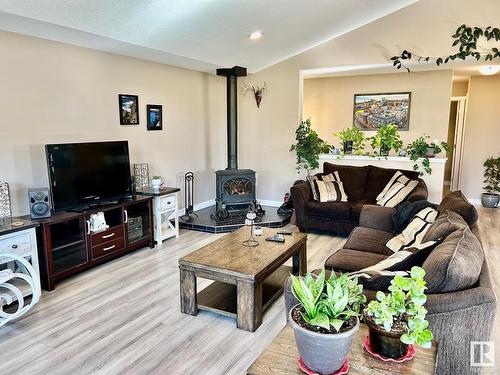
251 242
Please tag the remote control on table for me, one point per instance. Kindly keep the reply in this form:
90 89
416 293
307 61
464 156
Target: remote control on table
285 232
276 238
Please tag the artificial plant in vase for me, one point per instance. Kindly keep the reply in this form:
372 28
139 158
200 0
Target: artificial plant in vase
491 198
308 146
397 319
386 139
352 140
420 150
326 319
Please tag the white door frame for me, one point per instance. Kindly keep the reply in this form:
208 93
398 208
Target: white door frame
456 167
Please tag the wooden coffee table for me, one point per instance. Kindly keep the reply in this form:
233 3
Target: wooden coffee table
280 358
247 279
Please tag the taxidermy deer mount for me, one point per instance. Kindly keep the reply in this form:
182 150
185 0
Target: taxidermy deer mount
258 92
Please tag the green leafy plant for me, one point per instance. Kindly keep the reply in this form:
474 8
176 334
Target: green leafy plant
404 307
354 135
308 146
492 175
468 41
386 139
422 149
328 303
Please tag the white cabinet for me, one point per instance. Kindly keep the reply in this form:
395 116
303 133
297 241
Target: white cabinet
19 272
166 220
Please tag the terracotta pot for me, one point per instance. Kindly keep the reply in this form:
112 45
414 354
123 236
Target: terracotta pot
387 344
322 353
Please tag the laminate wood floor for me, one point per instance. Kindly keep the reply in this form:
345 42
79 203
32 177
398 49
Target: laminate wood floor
124 317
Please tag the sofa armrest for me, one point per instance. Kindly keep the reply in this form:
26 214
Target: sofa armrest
461 300
420 193
376 217
301 194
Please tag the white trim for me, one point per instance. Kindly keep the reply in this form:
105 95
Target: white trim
197 206
380 158
474 201
270 203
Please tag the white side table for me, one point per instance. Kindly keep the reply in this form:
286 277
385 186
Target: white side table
165 207
21 278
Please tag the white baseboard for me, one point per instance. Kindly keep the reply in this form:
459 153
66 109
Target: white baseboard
265 202
474 201
197 206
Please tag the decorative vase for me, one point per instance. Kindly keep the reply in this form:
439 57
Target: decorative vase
430 153
347 147
156 183
384 150
323 353
490 200
387 344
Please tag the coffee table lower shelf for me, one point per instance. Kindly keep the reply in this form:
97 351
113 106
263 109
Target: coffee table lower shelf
221 298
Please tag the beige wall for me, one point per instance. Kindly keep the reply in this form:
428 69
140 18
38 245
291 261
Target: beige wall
482 132
460 88
329 101
52 92
272 126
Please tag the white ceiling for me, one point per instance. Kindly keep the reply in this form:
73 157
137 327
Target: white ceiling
195 34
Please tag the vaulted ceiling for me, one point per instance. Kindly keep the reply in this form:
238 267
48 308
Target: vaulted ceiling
194 34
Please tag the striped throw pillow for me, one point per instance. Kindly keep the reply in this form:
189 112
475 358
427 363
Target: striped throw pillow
396 190
379 276
330 191
414 233
328 177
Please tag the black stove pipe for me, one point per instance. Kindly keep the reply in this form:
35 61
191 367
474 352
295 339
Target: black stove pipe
232 113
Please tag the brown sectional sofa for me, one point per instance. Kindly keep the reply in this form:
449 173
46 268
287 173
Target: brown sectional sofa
456 318
361 184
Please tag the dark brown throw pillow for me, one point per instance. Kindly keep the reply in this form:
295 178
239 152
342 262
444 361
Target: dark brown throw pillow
445 224
455 264
457 202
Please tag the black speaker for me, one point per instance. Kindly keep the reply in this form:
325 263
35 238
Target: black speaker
39 201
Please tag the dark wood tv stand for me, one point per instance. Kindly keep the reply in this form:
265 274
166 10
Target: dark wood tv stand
67 247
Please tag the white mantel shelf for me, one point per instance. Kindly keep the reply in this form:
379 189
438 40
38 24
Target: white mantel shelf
433 181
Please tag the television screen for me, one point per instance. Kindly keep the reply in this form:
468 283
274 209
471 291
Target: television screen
87 173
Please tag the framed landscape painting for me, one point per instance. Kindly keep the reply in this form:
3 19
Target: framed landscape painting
129 109
371 111
155 117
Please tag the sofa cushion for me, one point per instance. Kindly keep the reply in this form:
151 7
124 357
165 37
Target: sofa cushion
330 210
379 177
396 191
457 202
415 231
455 264
353 178
348 260
369 240
445 224
330 191
406 211
357 206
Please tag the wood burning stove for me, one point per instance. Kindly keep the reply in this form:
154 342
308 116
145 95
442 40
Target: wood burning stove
235 188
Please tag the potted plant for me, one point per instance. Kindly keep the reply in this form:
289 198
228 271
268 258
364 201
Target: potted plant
326 319
491 198
156 182
308 146
351 139
397 319
422 149
386 139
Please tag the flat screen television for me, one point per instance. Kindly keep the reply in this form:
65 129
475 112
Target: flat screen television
86 174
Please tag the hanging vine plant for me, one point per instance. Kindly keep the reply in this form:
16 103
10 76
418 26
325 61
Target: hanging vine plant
467 39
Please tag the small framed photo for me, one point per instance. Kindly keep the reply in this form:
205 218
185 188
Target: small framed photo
129 109
155 117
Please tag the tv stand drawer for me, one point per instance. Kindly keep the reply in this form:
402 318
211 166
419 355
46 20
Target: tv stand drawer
110 234
108 248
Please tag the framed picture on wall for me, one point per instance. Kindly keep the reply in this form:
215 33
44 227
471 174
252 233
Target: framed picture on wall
129 109
155 117
371 111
